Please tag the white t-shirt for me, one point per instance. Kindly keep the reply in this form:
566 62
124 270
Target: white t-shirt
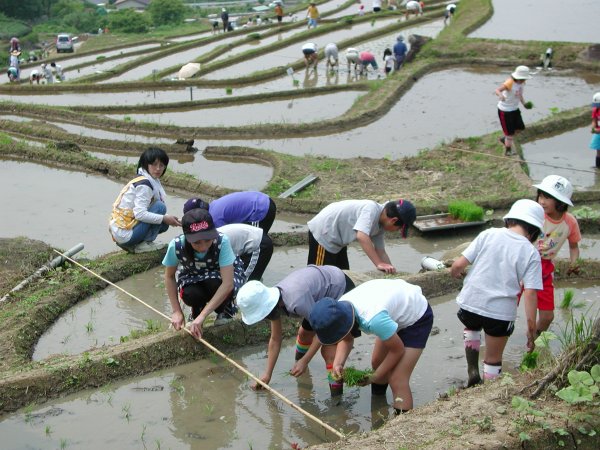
511 96
331 51
404 303
244 239
501 259
310 46
335 226
413 5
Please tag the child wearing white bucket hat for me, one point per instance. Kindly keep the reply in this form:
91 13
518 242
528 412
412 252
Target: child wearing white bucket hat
488 299
595 144
554 195
510 93
294 296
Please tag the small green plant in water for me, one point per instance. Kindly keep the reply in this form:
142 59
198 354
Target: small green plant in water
353 376
567 299
528 105
529 361
465 210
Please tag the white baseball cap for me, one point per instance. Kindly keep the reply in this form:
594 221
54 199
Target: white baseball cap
521 73
528 211
256 301
558 187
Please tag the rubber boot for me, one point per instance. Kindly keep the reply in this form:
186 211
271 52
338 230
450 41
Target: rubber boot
378 389
597 162
336 387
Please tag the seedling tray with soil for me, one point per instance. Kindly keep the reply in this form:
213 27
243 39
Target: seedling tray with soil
435 222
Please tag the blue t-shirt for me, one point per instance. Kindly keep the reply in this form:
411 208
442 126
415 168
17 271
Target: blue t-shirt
239 207
400 49
226 256
381 325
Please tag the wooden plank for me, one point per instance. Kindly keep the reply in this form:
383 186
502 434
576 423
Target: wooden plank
299 186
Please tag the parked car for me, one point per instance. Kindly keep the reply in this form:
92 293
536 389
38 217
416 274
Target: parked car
64 43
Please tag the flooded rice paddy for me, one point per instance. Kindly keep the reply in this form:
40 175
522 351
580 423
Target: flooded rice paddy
208 404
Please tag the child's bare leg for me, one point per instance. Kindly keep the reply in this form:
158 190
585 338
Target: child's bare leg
508 142
379 353
494 348
545 318
336 387
472 342
400 379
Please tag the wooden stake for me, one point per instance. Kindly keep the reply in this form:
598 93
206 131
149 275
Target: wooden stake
215 350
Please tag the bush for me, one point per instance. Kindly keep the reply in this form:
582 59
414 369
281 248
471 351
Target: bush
129 21
165 12
465 210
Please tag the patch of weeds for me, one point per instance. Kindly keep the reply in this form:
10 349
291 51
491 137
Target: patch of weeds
89 327
71 381
577 331
111 362
485 424
255 36
277 186
100 57
228 339
126 119
28 413
177 386
585 212
583 386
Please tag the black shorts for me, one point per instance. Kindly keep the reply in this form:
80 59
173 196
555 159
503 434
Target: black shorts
308 51
493 327
511 122
279 19
416 335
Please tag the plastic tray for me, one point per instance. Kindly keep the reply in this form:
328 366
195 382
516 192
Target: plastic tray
436 222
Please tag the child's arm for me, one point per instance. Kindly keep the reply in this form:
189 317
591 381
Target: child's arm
530 298
499 91
341 355
272 352
377 256
395 350
458 267
595 128
177 318
573 257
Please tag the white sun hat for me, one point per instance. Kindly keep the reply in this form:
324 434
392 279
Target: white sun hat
256 301
521 73
596 99
528 211
558 187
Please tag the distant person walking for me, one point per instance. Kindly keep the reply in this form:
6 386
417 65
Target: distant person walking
400 49
225 19
595 144
510 94
312 13
279 12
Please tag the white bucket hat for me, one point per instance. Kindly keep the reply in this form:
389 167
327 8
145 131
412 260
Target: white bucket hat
521 73
596 99
528 211
558 187
256 301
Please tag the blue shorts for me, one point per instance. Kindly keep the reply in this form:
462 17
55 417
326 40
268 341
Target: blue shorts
369 63
312 23
416 335
595 144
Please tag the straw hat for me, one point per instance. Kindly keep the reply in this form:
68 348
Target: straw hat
16 53
521 73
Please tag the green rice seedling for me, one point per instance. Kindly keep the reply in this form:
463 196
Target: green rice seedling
48 430
577 331
528 105
465 210
229 91
353 376
63 443
567 300
529 361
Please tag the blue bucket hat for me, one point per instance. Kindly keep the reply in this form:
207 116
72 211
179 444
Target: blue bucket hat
331 320
194 203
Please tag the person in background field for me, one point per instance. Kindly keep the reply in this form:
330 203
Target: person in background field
252 245
249 207
13 61
554 195
47 73
215 27
309 50
225 20
366 59
595 143
361 10
510 94
503 259
202 270
413 7
400 50
13 74
352 57
331 56
279 12
295 296
340 223
57 69
400 317
449 12
312 13
15 45
389 62
139 213
35 75
376 6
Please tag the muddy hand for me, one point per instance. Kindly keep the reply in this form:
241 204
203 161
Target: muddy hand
196 329
298 369
257 386
365 381
177 320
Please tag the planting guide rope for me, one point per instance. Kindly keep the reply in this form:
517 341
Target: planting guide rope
215 350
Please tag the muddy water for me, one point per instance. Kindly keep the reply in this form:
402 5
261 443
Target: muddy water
99 67
239 174
69 219
276 111
174 59
293 53
554 20
207 404
571 155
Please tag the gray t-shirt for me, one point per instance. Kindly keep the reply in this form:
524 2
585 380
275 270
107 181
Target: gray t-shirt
501 260
244 238
336 225
302 288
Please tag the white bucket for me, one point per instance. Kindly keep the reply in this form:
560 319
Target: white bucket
429 263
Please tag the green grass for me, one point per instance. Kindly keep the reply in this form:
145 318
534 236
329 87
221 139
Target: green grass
465 210
567 300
